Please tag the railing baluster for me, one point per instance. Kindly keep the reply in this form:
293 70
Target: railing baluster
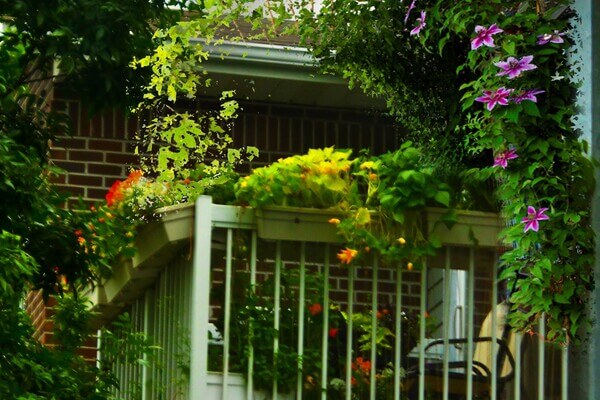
518 342
147 328
541 356
200 301
495 349
422 311
398 333
276 311
250 374
350 326
325 341
564 388
227 319
374 294
471 311
301 306
447 289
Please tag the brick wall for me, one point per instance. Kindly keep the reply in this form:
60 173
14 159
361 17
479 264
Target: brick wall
101 149
41 314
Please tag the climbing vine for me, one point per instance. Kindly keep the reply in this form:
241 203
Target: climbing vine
487 83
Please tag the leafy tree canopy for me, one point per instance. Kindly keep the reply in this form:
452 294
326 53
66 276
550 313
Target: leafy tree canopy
87 45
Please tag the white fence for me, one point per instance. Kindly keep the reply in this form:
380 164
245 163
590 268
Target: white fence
176 312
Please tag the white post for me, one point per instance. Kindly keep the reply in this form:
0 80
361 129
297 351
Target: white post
200 298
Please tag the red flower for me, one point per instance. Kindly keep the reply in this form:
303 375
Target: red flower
333 332
361 364
315 309
78 232
114 193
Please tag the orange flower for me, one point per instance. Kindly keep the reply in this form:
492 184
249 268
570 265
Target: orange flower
334 221
315 309
410 266
333 332
379 315
81 240
135 176
347 255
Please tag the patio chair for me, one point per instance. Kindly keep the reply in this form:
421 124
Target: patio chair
481 366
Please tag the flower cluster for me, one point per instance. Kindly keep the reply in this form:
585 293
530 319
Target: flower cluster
512 68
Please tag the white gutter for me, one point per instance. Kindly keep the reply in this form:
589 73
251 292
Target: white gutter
265 60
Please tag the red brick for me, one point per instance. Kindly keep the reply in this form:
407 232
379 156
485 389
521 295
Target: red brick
84 180
105 169
110 145
95 126
58 154
97 194
70 166
71 143
75 114
71 190
83 155
120 127
121 158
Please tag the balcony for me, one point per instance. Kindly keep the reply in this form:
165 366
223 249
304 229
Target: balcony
241 314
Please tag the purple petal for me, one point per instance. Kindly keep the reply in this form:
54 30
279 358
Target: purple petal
525 59
493 29
531 210
533 225
479 28
502 101
488 41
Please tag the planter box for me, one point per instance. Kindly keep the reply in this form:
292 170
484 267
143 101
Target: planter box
297 224
472 227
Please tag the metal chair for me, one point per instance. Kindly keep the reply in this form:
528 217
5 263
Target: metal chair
481 371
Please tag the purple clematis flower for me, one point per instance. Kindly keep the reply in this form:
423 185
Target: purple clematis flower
533 218
546 38
529 94
513 67
410 8
420 24
501 159
484 36
492 98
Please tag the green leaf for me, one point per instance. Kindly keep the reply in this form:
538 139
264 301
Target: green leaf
443 198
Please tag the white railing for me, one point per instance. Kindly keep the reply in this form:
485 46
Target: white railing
187 284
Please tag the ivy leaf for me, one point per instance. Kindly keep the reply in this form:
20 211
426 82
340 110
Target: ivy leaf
531 108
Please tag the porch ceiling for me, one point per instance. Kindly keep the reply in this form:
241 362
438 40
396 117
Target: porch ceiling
279 74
